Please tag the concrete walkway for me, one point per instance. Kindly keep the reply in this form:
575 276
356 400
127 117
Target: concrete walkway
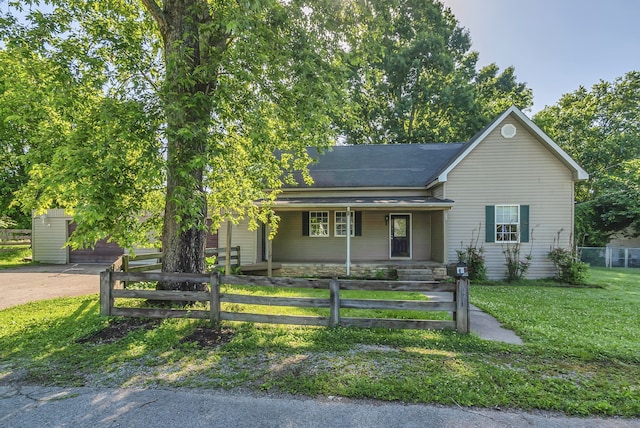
481 323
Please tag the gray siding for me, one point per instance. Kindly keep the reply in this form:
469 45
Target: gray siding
242 236
511 171
438 236
439 192
290 246
49 236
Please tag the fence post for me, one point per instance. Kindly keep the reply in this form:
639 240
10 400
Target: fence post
214 305
334 302
106 301
462 305
125 268
626 257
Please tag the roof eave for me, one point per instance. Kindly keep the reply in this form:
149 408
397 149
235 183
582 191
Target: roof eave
422 207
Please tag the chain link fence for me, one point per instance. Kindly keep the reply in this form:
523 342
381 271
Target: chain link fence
610 256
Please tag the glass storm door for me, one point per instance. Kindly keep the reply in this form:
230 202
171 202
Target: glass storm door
400 235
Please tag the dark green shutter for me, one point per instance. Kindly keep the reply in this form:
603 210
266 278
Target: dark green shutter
305 223
358 221
524 223
490 221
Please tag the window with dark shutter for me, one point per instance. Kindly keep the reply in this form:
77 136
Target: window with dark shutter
490 221
507 223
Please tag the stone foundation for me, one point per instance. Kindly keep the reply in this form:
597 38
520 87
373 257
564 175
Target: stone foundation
364 271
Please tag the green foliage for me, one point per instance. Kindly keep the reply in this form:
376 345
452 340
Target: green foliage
569 268
14 255
516 264
412 77
130 122
473 256
593 323
600 129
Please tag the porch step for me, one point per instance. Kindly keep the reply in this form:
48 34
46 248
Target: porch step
424 274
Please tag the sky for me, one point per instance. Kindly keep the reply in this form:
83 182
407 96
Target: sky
556 46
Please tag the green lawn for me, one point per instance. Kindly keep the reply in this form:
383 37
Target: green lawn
581 354
13 256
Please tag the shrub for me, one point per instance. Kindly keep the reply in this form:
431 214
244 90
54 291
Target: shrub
517 267
569 268
473 256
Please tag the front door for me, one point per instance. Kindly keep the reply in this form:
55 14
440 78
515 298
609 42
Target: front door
400 235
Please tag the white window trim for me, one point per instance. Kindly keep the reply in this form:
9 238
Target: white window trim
496 224
325 214
335 224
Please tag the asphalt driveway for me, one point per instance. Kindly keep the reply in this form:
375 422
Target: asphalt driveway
42 282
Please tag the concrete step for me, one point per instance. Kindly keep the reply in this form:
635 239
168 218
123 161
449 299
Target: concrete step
415 274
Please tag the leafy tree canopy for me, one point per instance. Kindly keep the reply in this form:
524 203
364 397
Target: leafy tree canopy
197 95
600 128
135 113
413 79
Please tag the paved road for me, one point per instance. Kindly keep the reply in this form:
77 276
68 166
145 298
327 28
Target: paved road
86 407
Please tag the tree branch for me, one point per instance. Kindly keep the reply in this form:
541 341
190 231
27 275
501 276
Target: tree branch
158 14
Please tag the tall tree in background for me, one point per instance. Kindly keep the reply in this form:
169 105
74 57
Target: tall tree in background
413 78
600 128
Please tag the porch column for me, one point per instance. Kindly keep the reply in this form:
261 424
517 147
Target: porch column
348 241
227 261
269 252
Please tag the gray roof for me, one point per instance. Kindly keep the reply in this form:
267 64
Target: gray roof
380 165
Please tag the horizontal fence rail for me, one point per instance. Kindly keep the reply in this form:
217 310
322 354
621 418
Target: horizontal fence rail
129 262
111 280
15 236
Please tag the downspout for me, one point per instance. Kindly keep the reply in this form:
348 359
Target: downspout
348 241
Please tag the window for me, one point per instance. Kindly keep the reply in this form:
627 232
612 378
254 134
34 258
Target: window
319 223
341 223
507 223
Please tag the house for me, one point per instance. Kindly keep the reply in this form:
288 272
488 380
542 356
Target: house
414 205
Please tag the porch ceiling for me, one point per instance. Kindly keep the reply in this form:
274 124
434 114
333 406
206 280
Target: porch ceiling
369 203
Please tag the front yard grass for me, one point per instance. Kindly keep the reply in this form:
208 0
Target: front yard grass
14 255
581 354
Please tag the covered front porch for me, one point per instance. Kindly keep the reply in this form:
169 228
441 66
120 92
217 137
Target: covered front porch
375 237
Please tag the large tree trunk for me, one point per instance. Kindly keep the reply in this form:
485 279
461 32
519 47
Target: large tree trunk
191 74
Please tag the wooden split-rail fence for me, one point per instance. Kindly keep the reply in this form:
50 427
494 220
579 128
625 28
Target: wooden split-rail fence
111 288
15 237
130 263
